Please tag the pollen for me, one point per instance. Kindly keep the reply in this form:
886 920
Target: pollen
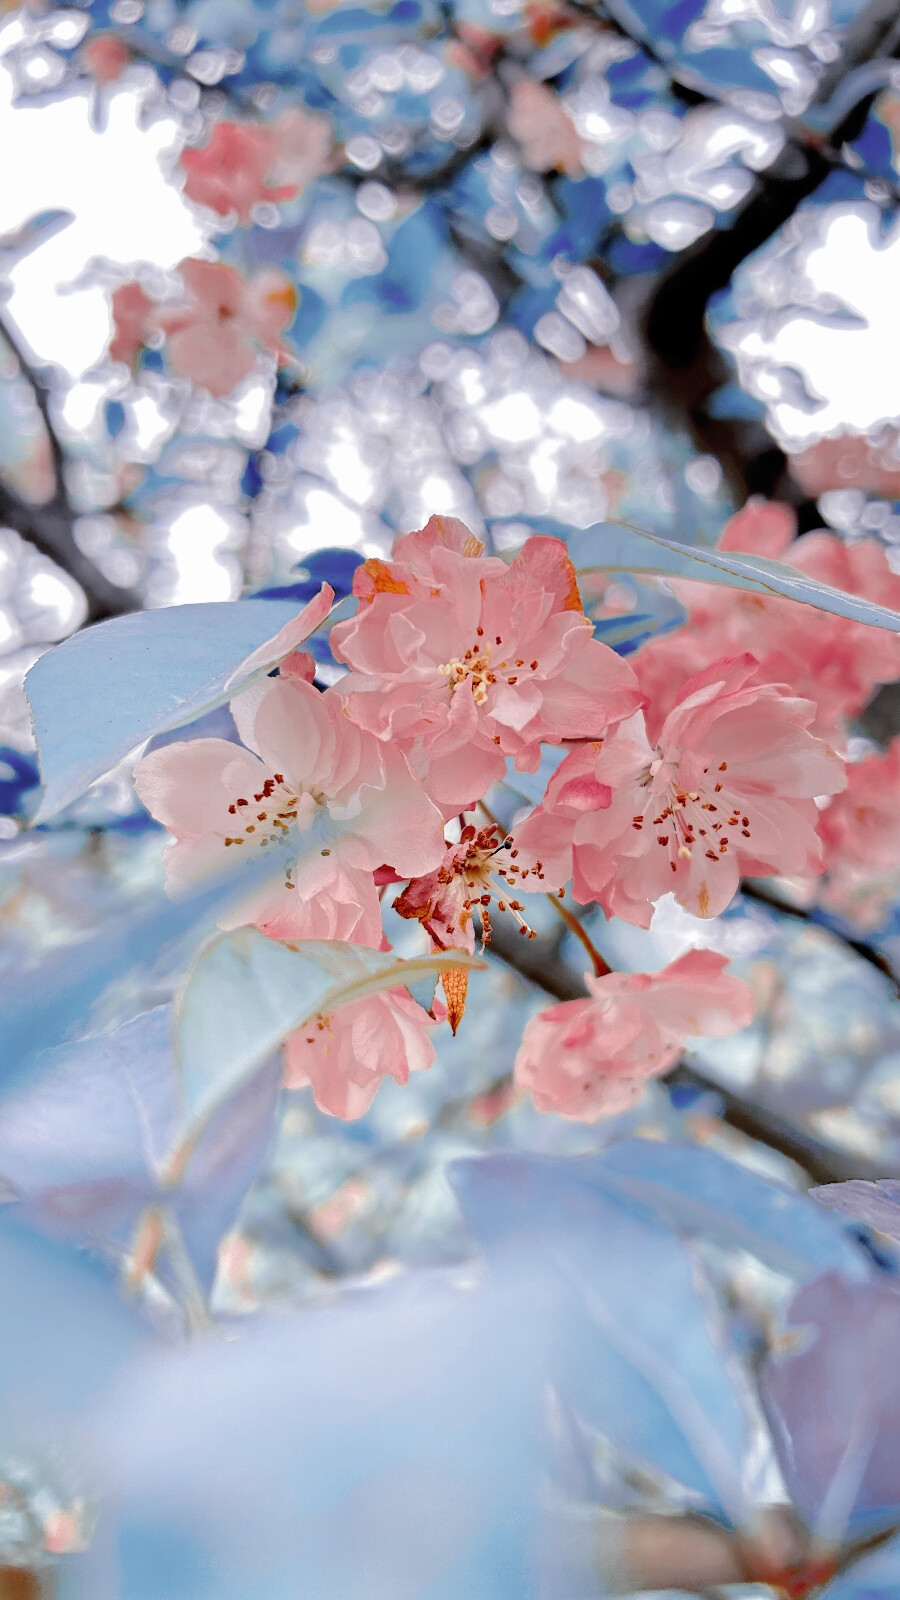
474 665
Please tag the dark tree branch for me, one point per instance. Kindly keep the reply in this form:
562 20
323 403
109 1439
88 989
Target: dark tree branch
540 962
51 526
860 947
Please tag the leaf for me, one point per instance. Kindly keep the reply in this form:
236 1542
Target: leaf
876 1204
387 1445
82 1142
246 993
47 1005
108 689
704 1193
833 1400
644 1366
63 1336
610 547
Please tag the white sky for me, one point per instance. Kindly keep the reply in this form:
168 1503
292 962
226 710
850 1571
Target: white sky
114 183
854 371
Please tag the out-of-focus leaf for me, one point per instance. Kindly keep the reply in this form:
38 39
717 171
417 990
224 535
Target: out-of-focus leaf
706 1194
610 547
108 689
246 993
388 1445
644 1366
873 1577
82 1144
834 1404
877 1204
62 1332
54 1002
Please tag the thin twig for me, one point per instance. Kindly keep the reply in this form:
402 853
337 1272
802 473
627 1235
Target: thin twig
602 969
860 947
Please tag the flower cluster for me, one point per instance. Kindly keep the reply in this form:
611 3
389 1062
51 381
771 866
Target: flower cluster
462 670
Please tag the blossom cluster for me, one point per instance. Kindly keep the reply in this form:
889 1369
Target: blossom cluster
461 670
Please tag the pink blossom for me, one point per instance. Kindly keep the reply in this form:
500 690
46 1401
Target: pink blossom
463 661
834 662
545 133
472 50
344 1056
860 832
309 779
728 791
228 318
135 321
244 163
105 56
590 1058
850 461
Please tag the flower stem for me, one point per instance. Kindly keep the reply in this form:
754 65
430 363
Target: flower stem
601 967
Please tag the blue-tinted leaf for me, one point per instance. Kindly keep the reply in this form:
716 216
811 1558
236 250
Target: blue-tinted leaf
610 547
246 993
833 1398
873 1577
706 1194
877 1204
54 1002
643 1367
102 693
83 1142
62 1332
388 1446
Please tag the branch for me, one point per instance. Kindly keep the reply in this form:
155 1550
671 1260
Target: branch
50 527
540 963
860 947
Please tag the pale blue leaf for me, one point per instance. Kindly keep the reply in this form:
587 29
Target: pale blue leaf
102 693
610 547
54 1002
872 1577
246 993
877 1204
706 1194
388 1446
62 1333
83 1142
644 1367
833 1399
